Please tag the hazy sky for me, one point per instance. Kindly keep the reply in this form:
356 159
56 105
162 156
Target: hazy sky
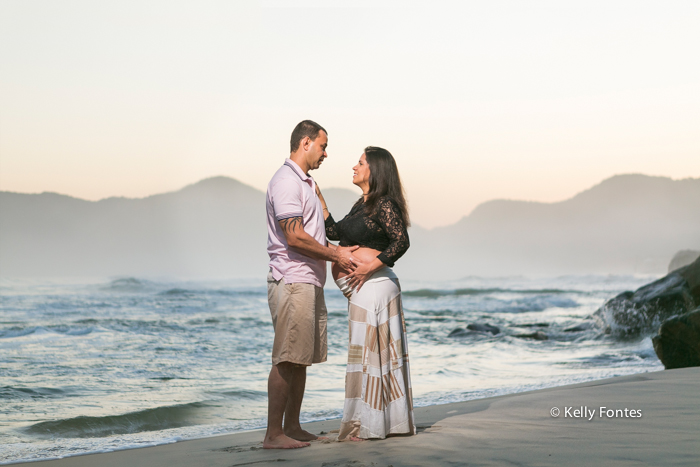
476 100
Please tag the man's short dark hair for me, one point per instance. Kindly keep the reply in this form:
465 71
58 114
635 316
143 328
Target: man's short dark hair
302 130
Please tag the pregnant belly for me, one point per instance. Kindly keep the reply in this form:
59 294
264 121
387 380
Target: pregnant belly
366 255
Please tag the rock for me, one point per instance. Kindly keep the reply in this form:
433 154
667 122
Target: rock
458 332
678 343
538 336
691 274
471 328
483 328
643 311
683 258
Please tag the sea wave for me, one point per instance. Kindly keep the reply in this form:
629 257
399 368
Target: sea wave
239 394
17 331
435 293
9 393
242 292
536 304
498 305
159 418
126 284
177 291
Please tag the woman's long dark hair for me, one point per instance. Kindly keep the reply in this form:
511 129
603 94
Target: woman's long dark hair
384 180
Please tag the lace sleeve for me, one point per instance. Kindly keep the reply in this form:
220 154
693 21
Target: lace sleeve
332 228
390 220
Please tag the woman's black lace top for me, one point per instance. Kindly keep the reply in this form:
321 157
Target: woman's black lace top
384 231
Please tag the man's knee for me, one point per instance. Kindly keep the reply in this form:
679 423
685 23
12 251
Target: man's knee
289 369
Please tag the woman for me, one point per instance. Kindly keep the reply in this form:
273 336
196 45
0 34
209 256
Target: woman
378 399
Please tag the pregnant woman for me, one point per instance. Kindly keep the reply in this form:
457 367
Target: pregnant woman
378 399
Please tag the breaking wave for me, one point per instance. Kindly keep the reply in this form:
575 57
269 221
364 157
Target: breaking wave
159 418
126 284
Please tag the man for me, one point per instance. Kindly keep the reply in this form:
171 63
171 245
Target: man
298 250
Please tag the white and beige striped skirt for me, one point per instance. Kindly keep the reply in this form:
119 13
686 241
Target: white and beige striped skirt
378 399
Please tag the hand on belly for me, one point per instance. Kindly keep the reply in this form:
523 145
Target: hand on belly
365 255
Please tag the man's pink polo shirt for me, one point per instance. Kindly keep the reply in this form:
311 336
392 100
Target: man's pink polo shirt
292 193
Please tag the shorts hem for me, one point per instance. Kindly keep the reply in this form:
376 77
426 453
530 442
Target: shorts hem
297 362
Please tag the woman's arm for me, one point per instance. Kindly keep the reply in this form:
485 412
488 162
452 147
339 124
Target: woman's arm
323 202
389 217
331 226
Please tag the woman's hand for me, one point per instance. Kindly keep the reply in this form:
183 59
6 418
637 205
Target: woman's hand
363 272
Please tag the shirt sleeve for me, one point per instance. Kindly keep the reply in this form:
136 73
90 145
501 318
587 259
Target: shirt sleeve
332 228
285 196
390 220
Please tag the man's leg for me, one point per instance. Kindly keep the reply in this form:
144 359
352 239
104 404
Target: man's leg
292 427
279 385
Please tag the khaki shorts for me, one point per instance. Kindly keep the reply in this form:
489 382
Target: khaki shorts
299 318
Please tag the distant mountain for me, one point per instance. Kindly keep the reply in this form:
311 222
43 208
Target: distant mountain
216 228
626 224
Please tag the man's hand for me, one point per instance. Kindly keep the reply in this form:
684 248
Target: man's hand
345 259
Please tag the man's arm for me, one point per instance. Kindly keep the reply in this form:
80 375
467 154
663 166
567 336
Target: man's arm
298 239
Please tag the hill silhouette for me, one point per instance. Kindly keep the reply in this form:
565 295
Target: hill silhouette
625 224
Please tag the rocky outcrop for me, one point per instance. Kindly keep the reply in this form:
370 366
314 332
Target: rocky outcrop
678 342
472 328
483 328
691 274
683 258
642 311
459 332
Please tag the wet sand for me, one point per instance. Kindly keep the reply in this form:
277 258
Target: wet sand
515 429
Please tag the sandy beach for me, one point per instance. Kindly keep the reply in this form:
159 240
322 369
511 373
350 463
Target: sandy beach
517 429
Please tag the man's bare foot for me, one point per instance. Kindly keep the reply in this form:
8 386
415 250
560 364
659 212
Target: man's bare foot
302 435
283 442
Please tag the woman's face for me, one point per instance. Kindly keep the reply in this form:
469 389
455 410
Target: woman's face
360 175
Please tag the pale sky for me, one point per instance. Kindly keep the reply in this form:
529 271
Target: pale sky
476 100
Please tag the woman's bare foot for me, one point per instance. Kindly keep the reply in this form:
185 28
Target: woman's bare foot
283 442
302 435
353 439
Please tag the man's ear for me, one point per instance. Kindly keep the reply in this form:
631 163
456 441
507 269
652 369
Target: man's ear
306 143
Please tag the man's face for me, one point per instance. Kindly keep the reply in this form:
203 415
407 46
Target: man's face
317 150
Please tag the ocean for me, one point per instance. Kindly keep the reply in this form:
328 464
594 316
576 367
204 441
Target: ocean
96 365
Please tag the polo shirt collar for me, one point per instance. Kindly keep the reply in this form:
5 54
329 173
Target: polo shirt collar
296 169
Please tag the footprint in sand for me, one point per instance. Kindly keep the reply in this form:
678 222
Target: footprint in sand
240 448
355 463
